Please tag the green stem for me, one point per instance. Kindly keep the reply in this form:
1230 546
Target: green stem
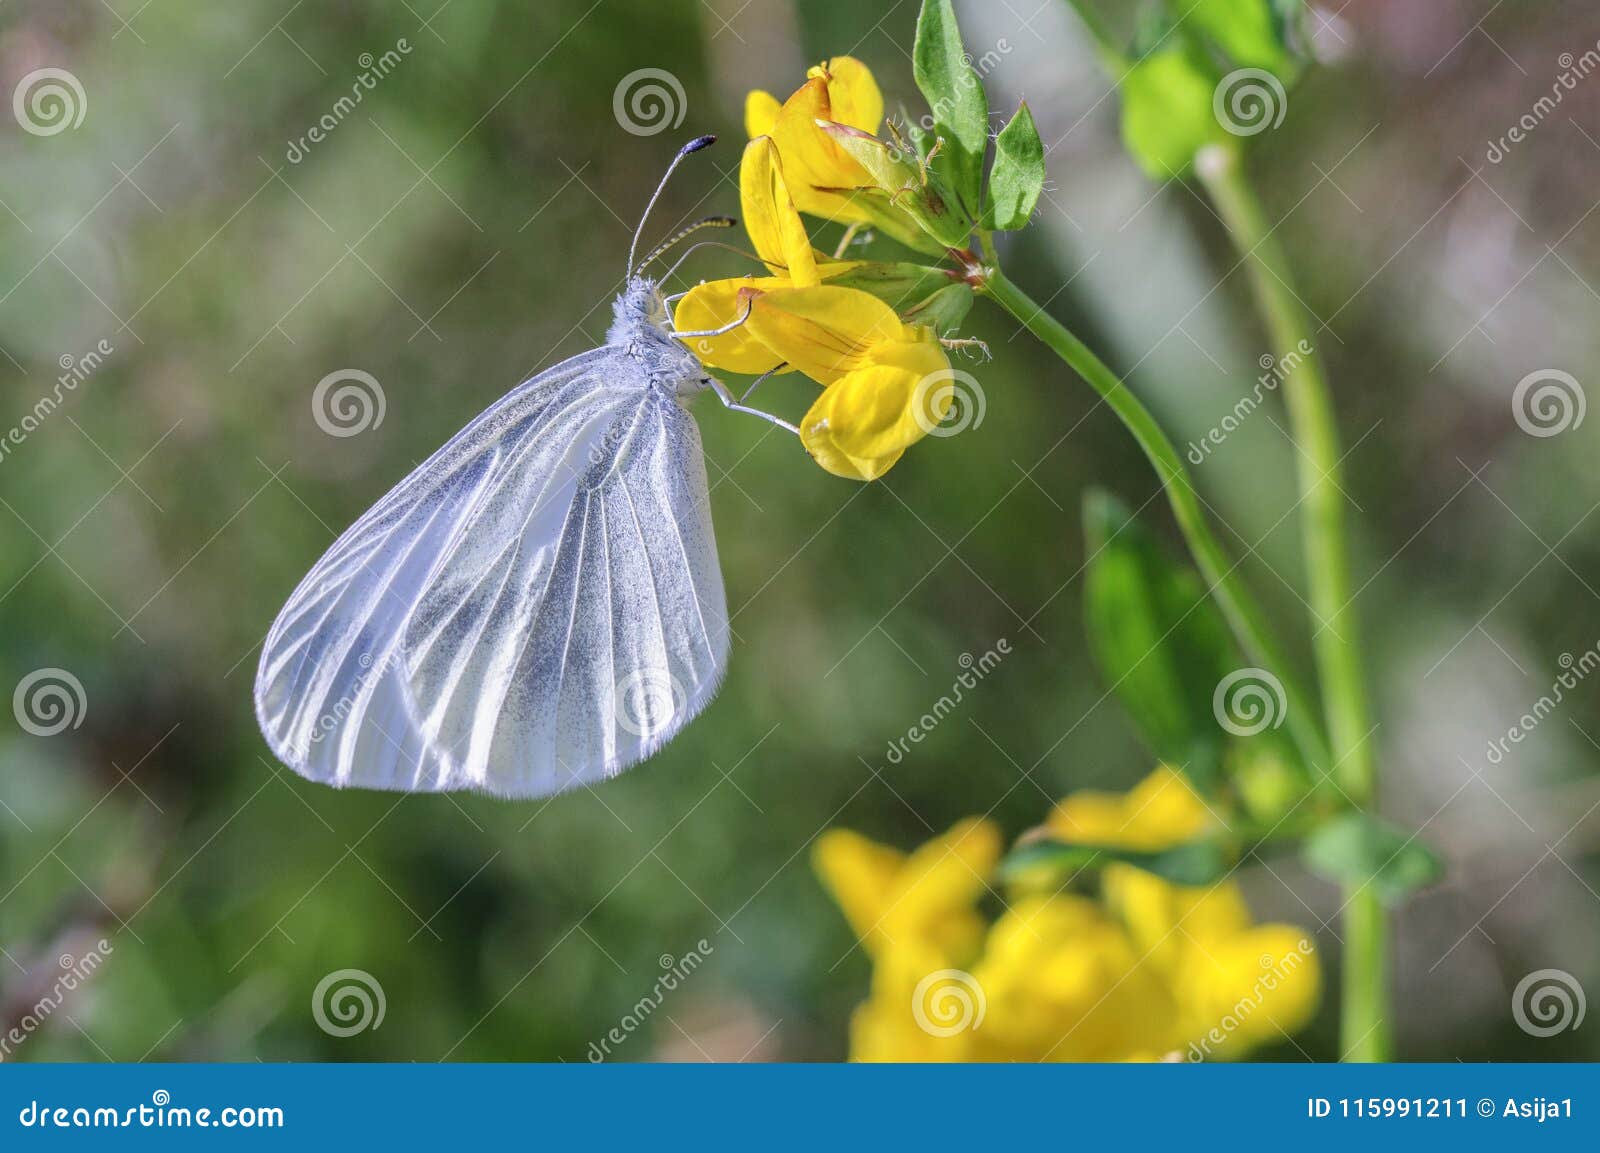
1220 573
1366 1032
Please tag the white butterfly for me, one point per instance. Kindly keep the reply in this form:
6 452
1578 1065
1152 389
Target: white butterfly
537 606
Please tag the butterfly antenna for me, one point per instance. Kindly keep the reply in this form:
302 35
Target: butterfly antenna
694 145
687 231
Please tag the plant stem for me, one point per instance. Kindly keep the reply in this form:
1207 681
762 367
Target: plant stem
1241 611
1364 1020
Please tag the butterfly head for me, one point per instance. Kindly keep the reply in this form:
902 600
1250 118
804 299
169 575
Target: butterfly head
642 325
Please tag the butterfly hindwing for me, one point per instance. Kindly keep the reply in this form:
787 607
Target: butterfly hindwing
538 605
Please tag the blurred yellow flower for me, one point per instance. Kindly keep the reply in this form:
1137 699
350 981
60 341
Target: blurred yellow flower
925 898
1200 937
1154 971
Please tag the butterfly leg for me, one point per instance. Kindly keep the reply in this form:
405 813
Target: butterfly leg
734 406
756 383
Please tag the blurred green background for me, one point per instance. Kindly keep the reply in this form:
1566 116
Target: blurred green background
465 226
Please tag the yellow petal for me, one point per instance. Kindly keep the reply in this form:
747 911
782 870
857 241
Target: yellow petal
823 178
760 113
881 409
852 93
1252 989
1160 811
770 218
1166 921
860 873
716 304
816 166
824 331
934 897
816 436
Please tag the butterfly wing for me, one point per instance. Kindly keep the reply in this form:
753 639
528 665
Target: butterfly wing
537 606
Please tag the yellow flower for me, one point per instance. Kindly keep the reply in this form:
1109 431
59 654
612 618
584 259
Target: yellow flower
882 376
1160 811
915 915
1237 985
924 898
826 180
779 238
1064 982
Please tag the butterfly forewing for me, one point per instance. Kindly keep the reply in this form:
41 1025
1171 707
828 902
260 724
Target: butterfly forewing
537 606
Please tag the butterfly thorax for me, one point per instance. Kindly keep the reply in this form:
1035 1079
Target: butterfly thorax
642 327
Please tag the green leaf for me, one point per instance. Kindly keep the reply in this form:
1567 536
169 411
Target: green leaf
1249 32
1357 849
942 311
1201 862
1019 172
1167 112
955 96
1158 638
